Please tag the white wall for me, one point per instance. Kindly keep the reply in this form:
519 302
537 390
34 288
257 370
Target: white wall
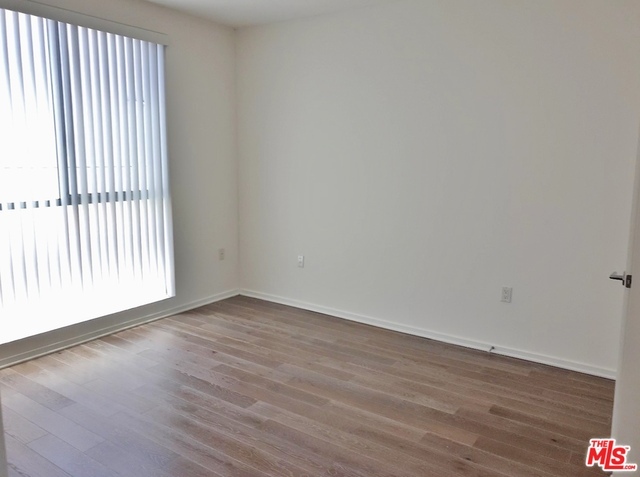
423 154
200 69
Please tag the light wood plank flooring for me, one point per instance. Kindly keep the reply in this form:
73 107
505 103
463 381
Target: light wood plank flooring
248 388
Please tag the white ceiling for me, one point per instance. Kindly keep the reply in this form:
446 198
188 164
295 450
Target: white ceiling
239 13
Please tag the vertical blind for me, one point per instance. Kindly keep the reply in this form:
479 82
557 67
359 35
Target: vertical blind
85 211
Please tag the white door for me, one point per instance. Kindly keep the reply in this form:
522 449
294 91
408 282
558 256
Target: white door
3 456
626 410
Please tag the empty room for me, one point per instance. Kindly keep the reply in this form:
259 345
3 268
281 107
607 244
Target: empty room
356 238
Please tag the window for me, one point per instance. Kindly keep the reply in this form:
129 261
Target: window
85 213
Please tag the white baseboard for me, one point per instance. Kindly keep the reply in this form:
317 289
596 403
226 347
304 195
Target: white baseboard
59 345
445 338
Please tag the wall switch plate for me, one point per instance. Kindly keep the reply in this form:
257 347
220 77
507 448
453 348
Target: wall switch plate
221 254
301 261
506 294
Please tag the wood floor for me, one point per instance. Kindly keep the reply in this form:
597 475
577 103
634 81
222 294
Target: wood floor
248 388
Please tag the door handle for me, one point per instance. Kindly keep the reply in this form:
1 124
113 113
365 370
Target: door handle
624 278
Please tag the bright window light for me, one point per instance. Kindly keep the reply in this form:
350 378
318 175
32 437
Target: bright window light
85 211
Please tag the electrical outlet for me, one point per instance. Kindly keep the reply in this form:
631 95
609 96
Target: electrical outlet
506 294
301 261
221 254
